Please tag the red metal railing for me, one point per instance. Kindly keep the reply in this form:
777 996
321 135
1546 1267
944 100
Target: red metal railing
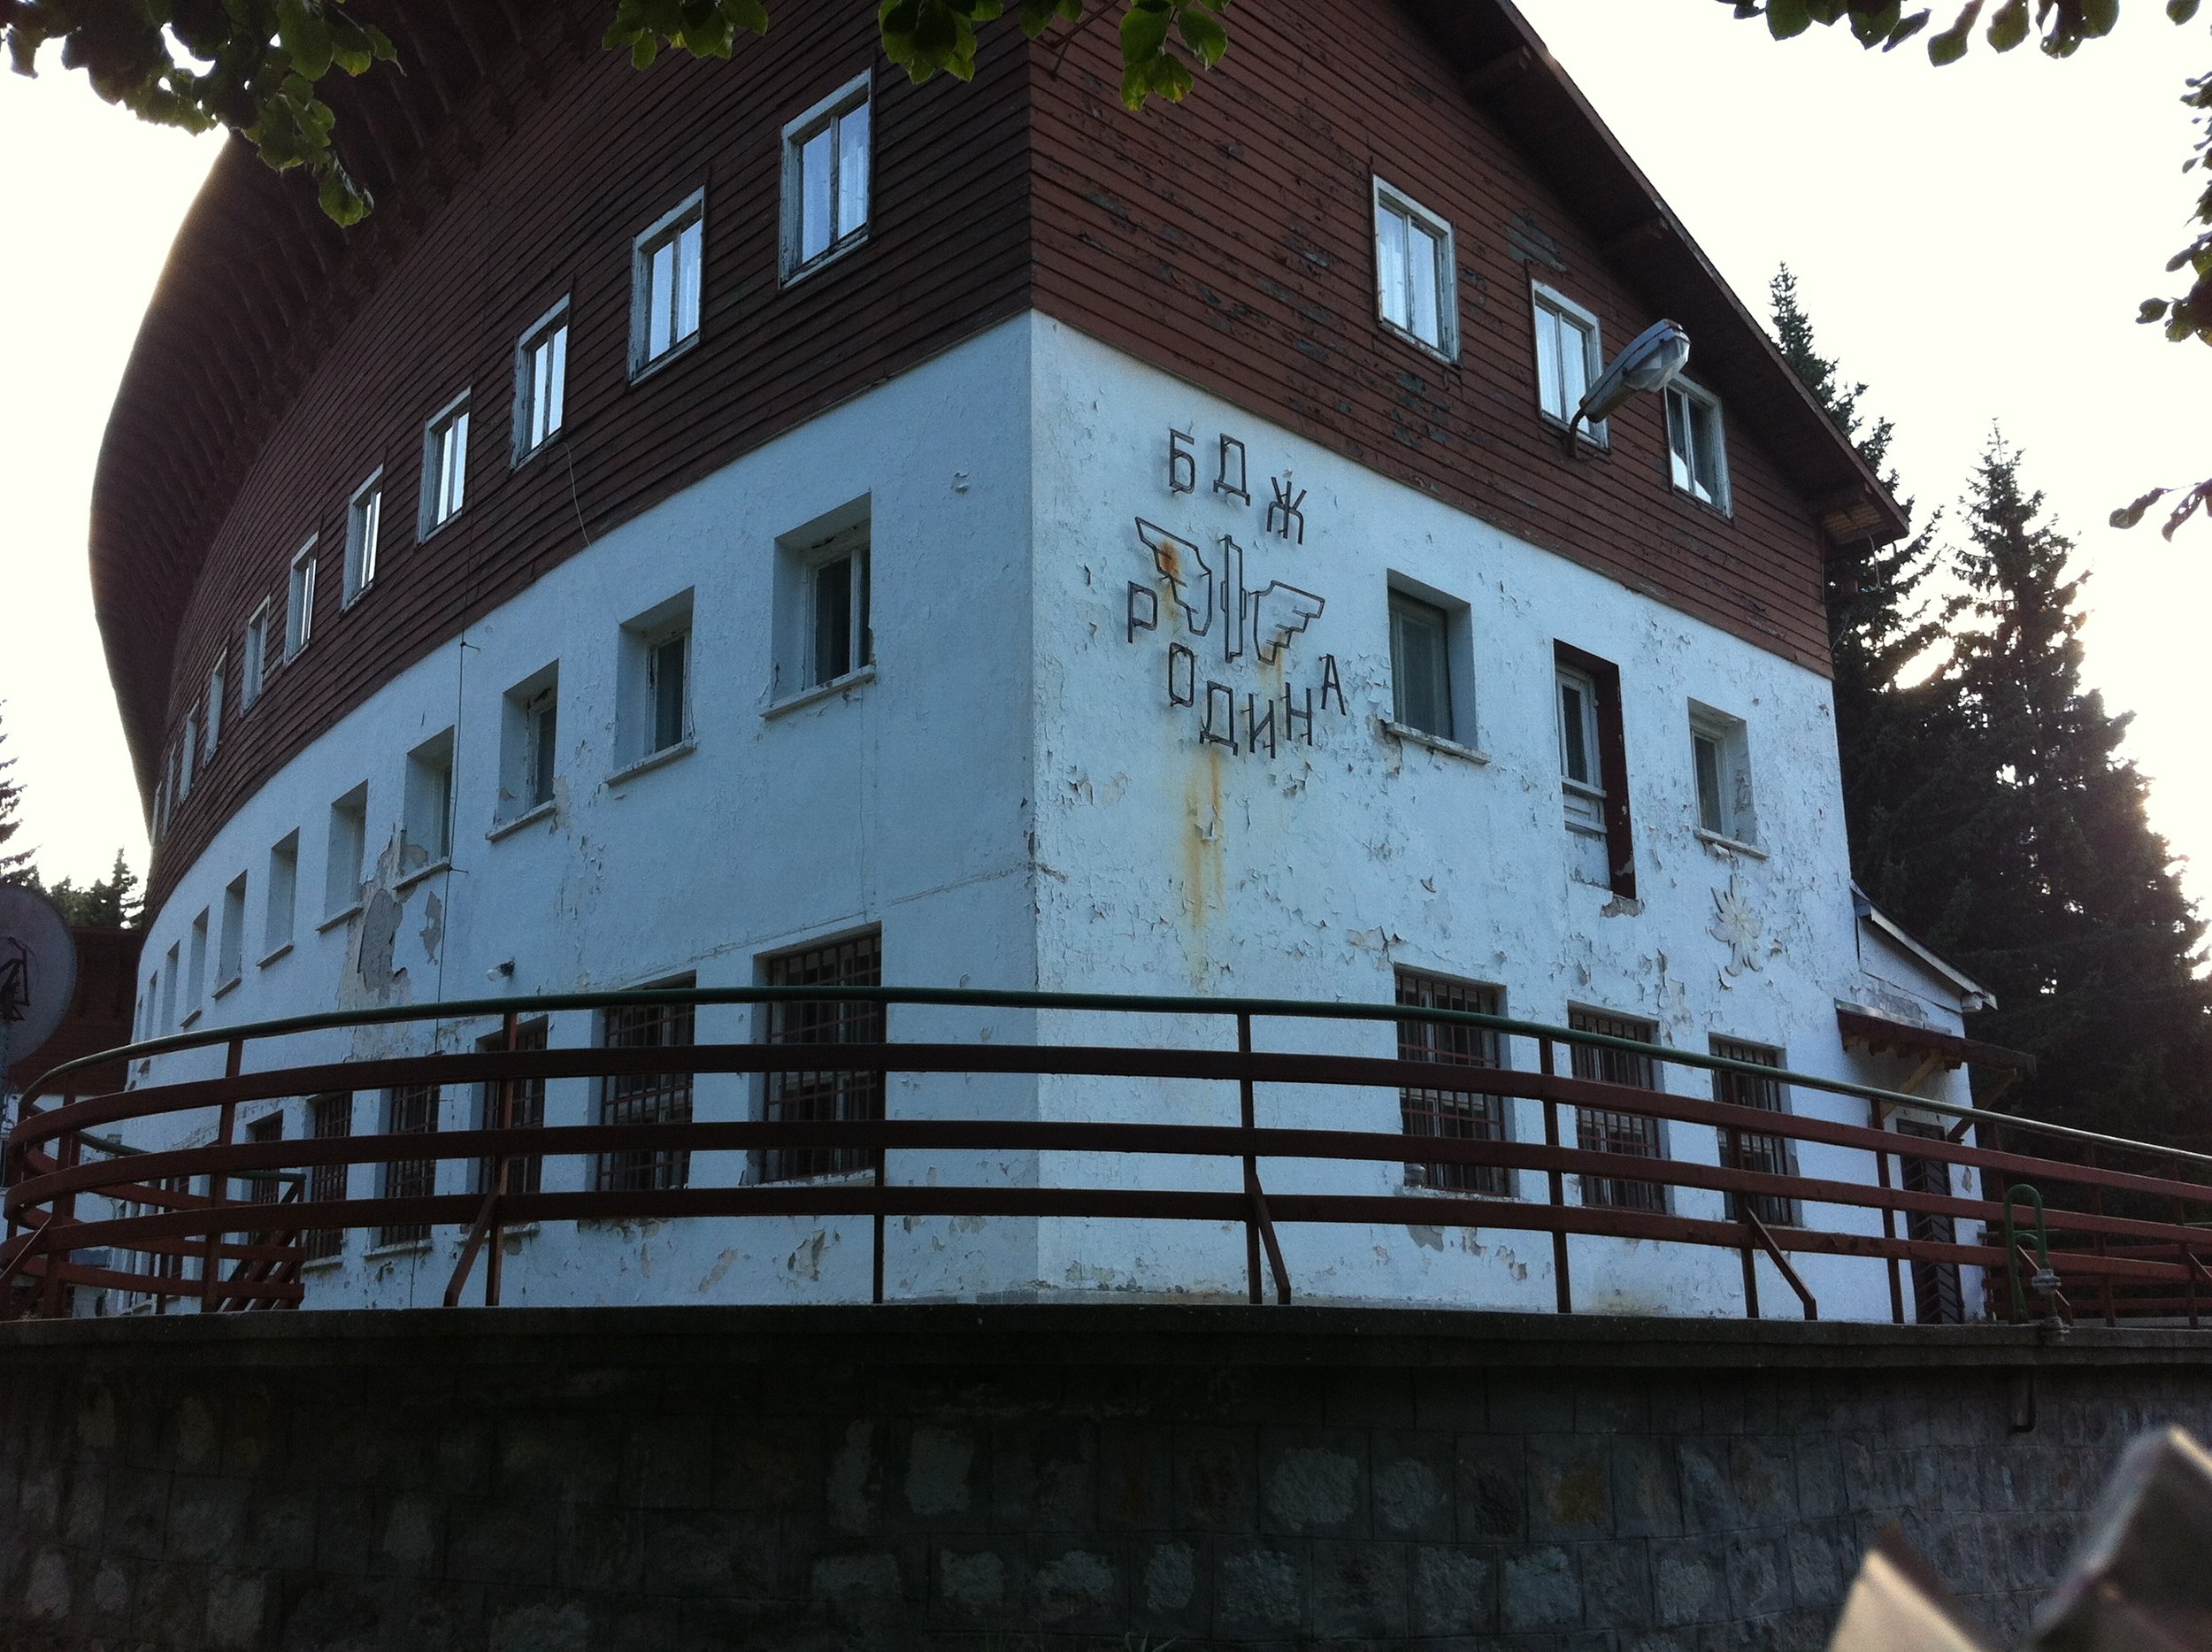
177 1227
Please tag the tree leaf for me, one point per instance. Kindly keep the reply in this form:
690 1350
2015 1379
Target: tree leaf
2129 515
2010 27
1950 45
1143 32
1786 19
2181 11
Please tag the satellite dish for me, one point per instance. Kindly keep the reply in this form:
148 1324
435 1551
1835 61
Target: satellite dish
1653 359
38 972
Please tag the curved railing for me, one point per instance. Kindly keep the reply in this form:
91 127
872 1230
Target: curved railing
2126 1223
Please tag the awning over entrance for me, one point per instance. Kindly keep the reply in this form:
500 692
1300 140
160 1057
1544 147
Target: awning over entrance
1879 1035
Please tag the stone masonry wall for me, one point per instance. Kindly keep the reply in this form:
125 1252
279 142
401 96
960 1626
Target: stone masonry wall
1007 1478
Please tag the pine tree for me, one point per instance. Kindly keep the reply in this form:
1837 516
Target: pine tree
111 902
2043 878
1878 626
14 867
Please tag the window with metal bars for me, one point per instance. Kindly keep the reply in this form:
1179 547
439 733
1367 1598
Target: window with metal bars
262 1188
1452 1114
1740 1149
523 1102
1597 1131
647 1098
410 1110
328 1118
823 1096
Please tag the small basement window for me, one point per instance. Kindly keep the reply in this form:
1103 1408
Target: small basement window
665 275
540 381
825 179
1697 457
445 464
1416 278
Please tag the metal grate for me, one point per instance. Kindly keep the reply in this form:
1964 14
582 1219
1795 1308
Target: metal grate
1631 1133
815 1098
411 1110
525 1100
647 1098
1769 1156
264 1189
328 1118
1456 1115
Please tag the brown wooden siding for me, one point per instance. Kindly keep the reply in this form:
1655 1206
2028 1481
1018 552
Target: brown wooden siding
1230 240
550 208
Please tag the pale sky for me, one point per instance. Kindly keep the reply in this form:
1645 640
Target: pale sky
1970 241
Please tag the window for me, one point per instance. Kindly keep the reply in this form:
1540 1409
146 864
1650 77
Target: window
1416 279
187 752
647 1098
1458 1115
1742 1150
1720 767
299 614
169 990
427 824
263 1187
654 712
664 286
349 841
1600 1131
253 665
1696 457
283 897
197 986
824 627
445 464
516 1105
1594 771
1420 666
540 381
410 1110
329 1118
817 1097
215 685
528 744
826 166
1568 357
230 955
364 525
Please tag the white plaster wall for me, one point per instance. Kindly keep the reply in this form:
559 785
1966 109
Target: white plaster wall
1014 800
903 803
1170 864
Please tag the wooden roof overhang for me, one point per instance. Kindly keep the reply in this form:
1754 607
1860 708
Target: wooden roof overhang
258 283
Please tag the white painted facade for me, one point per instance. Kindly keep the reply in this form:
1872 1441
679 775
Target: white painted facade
1013 794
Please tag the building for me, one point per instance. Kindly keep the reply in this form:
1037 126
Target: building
771 522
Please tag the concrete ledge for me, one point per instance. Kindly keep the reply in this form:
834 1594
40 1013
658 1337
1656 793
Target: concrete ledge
1043 1335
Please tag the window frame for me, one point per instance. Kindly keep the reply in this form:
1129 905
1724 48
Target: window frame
553 324
671 1098
1599 679
793 263
217 682
253 672
454 416
1405 605
432 771
856 546
1697 396
1426 1041
299 607
668 229
281 895
1388 197
349 820
409 1110
1737 822
230 940
527 771
1597 1129
856 956
638 702
1566 312
329 1118
1738 1148
365 535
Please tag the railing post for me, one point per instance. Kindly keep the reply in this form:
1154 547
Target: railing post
1249 1114
503 1168
1562 1279
1889 1220
2096 1203
218 1183
59 1214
